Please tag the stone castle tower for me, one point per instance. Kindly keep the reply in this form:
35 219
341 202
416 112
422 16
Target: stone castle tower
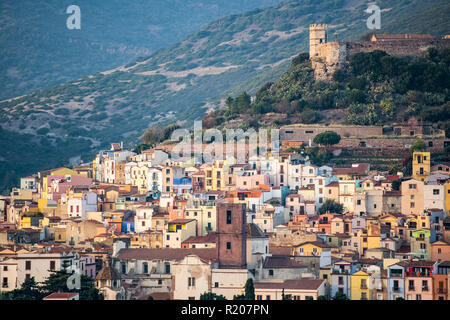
327 57
317 36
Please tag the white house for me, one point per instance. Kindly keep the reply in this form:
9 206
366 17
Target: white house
143 218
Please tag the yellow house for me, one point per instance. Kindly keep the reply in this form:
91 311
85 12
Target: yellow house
31 220
307 193
421 165
389 220
369 237
359 285
218 176
139 179
309 248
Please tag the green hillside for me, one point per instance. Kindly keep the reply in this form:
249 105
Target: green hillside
230 55
373 89
38 51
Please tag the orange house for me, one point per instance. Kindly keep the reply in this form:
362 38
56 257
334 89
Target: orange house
441 281
176 210
325 223
440 251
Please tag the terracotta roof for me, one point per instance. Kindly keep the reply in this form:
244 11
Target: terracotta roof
280 251
107 273
298 284
278 262
360 169
420 263
210 237
61 295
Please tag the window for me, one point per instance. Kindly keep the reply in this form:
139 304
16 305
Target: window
411 285
124 268
191 282
435 191
270 272
52 265
267 297
145 266
5 268
412 205
363 284
27 265
258 297
27 276
228 245
412 186
341 280
167 268
5 283
216 284
228 217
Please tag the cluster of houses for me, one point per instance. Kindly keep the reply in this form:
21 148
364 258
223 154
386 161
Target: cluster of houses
144 225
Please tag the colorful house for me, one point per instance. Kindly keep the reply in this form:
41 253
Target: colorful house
359 285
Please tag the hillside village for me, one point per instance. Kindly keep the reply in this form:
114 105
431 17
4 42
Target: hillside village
144 225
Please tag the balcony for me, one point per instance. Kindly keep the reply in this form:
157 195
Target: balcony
442 290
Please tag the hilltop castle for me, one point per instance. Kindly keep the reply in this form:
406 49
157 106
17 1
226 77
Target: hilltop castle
327 57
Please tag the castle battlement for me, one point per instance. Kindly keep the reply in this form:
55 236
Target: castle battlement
318 26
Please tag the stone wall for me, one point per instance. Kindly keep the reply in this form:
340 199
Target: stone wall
399 143
306 133
399 48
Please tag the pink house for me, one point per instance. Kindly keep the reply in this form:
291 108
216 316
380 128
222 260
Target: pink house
418 280
251 180
87 265
59 184
296 204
